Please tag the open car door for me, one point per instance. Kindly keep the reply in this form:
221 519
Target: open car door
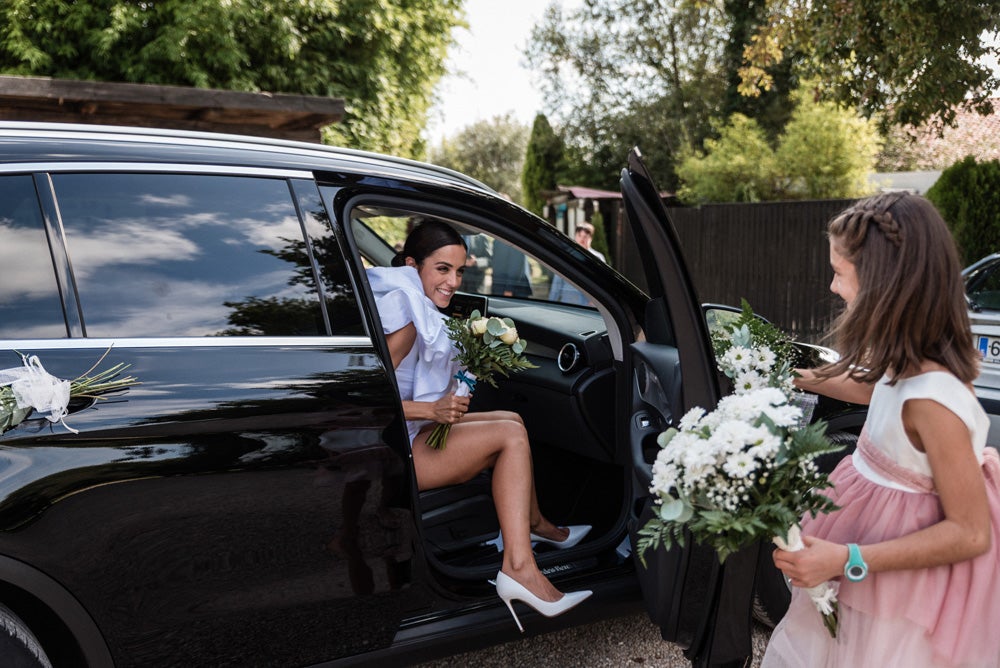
697 603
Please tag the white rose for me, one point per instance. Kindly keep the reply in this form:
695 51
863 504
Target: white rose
478 327
510 336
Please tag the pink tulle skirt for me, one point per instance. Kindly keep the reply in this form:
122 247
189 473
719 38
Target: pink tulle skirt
942 616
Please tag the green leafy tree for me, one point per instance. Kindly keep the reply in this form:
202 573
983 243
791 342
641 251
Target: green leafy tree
383 57
907 61
543 163
491 151
825 152
968 196
618 73
739 166
770 108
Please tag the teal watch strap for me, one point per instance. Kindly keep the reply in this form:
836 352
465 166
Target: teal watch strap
855 569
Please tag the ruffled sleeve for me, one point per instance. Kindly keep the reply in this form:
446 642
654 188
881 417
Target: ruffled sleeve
400 300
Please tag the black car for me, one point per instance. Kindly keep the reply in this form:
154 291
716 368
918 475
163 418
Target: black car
251 500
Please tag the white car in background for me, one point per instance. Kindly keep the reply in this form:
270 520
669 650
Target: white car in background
982 294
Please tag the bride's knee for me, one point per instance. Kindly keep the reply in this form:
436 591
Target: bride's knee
514 434
509 416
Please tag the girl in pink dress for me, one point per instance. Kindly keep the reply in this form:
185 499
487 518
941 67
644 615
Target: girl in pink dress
915 544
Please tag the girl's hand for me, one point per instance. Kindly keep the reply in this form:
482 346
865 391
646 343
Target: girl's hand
449 409
820 561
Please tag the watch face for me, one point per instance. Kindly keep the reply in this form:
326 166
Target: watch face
856 572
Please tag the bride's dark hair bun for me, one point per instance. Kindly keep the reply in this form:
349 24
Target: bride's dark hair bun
426 238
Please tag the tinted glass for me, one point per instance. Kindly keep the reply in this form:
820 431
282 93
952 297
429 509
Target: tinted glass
334 278
187 255
984 287
29 299
493 267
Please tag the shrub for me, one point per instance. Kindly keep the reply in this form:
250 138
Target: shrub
968 196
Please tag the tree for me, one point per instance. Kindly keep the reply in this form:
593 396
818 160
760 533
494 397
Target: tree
382 56
825 152
543 163
739 166
968 196
909 61
491 151
600 240
618 73
770 108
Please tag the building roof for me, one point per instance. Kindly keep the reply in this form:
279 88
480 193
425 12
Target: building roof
974 134
275 115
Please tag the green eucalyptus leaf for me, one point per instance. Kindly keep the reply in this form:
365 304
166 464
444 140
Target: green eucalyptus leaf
495 326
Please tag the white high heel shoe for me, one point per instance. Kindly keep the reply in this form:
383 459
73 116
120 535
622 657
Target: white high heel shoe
576 534
510 590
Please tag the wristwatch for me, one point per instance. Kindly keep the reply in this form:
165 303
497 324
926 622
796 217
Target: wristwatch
855 569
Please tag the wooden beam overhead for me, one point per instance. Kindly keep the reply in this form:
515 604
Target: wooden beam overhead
146 105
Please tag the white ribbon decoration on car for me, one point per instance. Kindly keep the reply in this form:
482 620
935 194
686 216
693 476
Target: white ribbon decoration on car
36 388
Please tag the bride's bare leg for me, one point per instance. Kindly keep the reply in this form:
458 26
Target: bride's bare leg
474 445
536 521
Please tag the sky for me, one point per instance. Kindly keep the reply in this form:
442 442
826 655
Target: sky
487 59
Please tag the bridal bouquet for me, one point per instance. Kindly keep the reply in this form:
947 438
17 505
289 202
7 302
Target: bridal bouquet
486 346
30 387
745 471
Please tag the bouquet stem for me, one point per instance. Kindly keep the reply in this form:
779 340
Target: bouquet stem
824 596
439 436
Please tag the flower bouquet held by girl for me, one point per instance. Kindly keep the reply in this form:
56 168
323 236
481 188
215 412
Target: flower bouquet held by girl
486 346
745 471
30 388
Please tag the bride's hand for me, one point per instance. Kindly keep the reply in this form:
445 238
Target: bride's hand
449 409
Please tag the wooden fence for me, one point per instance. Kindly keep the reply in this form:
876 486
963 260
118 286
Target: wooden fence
773 254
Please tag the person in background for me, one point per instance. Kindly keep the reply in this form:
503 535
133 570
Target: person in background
480 255
511 271
915 542
560 290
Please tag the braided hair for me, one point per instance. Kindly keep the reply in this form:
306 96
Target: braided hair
910 305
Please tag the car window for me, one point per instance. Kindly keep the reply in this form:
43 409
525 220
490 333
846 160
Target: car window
334 278
494 267
187 255
983 287
30 307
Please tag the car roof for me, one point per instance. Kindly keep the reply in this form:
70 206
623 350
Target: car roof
39 143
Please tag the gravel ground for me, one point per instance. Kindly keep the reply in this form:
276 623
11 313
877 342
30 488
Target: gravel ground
625 641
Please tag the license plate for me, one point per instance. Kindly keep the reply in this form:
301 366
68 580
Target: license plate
989 348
